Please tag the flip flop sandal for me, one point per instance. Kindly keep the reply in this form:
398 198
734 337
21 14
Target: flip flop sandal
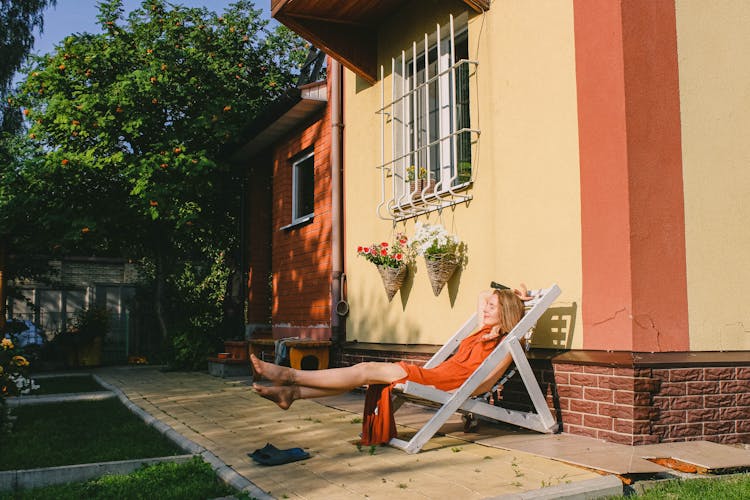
270 455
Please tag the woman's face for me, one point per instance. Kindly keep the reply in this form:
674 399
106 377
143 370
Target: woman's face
492 312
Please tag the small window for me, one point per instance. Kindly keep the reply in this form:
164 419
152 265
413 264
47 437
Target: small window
303 188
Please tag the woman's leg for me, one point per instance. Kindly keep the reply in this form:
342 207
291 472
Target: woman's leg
342 379
285 395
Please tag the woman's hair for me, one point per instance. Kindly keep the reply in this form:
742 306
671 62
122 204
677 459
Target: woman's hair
512 309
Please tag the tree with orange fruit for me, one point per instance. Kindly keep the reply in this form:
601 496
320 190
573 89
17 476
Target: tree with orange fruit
144 113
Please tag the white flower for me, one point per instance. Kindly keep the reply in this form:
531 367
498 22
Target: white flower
433 240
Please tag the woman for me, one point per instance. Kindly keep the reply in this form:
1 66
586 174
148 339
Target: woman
498 312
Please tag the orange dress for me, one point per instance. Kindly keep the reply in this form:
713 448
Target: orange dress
452 372
378 424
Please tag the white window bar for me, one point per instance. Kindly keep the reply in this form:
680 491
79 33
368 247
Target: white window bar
412 136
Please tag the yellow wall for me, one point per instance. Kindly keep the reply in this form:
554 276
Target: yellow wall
523 223
713 46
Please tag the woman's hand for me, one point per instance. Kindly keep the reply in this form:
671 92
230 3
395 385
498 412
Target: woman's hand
522 292
493 334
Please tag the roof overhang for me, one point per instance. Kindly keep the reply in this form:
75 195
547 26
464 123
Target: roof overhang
345 29
286 113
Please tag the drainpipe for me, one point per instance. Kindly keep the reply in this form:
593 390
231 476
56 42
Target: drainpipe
338 335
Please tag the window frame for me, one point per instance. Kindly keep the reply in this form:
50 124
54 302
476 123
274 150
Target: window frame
297 178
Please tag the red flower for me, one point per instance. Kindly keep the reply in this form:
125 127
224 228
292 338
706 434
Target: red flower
399 256
366 250
384 252
384 244
402 241
359 249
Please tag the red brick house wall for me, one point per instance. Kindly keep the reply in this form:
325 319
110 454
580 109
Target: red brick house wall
301 262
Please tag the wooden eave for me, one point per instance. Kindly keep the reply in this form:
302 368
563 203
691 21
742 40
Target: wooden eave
345 29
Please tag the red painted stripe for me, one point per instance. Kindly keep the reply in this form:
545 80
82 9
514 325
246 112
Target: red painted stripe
632 202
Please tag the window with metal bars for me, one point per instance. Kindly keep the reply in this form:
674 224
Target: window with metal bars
428 126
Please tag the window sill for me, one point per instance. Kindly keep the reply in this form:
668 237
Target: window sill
298 223
418 203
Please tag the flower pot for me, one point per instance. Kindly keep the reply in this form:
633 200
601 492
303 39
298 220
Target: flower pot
439 270
417 187
393 278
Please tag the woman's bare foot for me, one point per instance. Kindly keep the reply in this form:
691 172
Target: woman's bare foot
279 375
283 396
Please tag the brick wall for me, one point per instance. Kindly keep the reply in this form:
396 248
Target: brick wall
644 405
91 272
301 261
603 402
711 403
295 259
352 356
301 257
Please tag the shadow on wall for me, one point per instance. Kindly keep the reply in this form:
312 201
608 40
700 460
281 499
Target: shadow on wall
370 319
555 328
418 270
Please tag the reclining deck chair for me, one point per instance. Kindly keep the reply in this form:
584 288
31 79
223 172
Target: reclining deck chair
461 399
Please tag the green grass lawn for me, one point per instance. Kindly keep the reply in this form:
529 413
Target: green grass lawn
736 487
78 433
66 384
194 480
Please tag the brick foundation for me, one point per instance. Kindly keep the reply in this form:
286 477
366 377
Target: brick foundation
658 398
657 401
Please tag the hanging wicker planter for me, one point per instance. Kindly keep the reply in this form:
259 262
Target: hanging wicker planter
439 270
393 278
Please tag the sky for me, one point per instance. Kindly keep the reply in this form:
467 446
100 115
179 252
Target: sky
79 16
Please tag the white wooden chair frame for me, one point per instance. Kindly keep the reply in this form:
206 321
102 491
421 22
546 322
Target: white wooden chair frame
461 400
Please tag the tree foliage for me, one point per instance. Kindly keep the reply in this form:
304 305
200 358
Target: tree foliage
19 19
130 128
153 102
